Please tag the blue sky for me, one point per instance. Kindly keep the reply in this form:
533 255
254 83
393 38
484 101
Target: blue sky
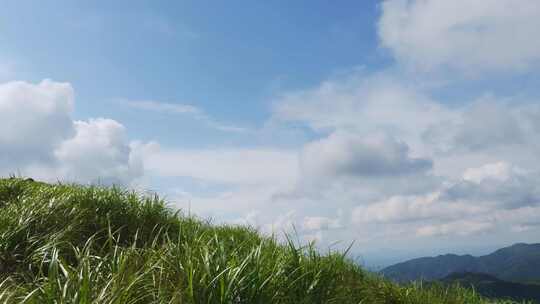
226 59
408 126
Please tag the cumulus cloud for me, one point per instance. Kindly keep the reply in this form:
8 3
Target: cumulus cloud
35 119
470 36
39 138
484 198
499 183
99 151
347 154
402 163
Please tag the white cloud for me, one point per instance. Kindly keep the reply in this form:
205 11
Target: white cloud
363 103
99 152
370 130
367 123
488 198
482 118
470 36
35 119
348 154
500 184
39 137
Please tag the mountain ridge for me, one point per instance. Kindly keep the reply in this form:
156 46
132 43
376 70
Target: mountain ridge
519 262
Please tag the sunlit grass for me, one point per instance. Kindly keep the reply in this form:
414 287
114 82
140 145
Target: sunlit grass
75 244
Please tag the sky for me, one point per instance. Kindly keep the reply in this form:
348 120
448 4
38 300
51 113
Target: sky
406 127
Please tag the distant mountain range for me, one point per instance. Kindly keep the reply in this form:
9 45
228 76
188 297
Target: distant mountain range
517 263
490 286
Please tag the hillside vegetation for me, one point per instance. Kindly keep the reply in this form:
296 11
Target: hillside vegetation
76 244
493 287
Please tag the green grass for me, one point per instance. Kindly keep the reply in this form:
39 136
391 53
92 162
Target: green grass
75 244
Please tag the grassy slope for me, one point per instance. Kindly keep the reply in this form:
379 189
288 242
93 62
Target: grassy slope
74 244
491 286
